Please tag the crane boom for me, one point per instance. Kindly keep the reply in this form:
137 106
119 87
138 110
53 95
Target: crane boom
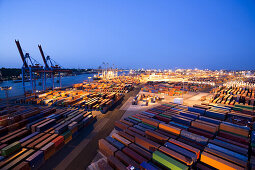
42 54
21 53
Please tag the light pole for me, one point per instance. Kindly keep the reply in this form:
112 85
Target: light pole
182 88
6 89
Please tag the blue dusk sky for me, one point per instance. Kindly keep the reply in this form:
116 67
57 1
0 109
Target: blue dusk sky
213 34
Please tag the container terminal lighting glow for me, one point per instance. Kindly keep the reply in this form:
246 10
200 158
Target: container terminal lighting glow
190 105
171 115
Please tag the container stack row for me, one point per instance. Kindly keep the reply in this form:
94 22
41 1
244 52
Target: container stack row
179 137
174 88
13 117
163 88
43 135
234 95
119 84
76 99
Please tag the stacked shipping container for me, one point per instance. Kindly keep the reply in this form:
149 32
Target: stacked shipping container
45 132
77 99
180 137
234 95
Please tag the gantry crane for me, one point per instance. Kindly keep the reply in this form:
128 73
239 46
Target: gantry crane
30 68
51 67
33 70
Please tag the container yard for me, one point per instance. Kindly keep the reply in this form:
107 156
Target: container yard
174 88
76 99
234 95
139 85
180 137
36 127
98 95
30 135
210 127
209 130
119 84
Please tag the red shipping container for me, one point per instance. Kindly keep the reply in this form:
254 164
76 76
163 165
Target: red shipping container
58 142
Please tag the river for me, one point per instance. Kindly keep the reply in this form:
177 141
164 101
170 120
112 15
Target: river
17 88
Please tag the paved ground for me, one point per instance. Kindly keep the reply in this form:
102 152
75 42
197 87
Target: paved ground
195 98
79 152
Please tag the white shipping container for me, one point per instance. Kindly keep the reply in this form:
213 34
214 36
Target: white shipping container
178 100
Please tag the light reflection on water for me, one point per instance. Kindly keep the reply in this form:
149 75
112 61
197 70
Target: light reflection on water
17 88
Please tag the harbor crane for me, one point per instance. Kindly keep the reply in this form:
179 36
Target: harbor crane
29 69
51 68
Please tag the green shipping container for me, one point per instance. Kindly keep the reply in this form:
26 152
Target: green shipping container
131 117
168 161
148 125
237 108
11 148
167 116
67 134
244 106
